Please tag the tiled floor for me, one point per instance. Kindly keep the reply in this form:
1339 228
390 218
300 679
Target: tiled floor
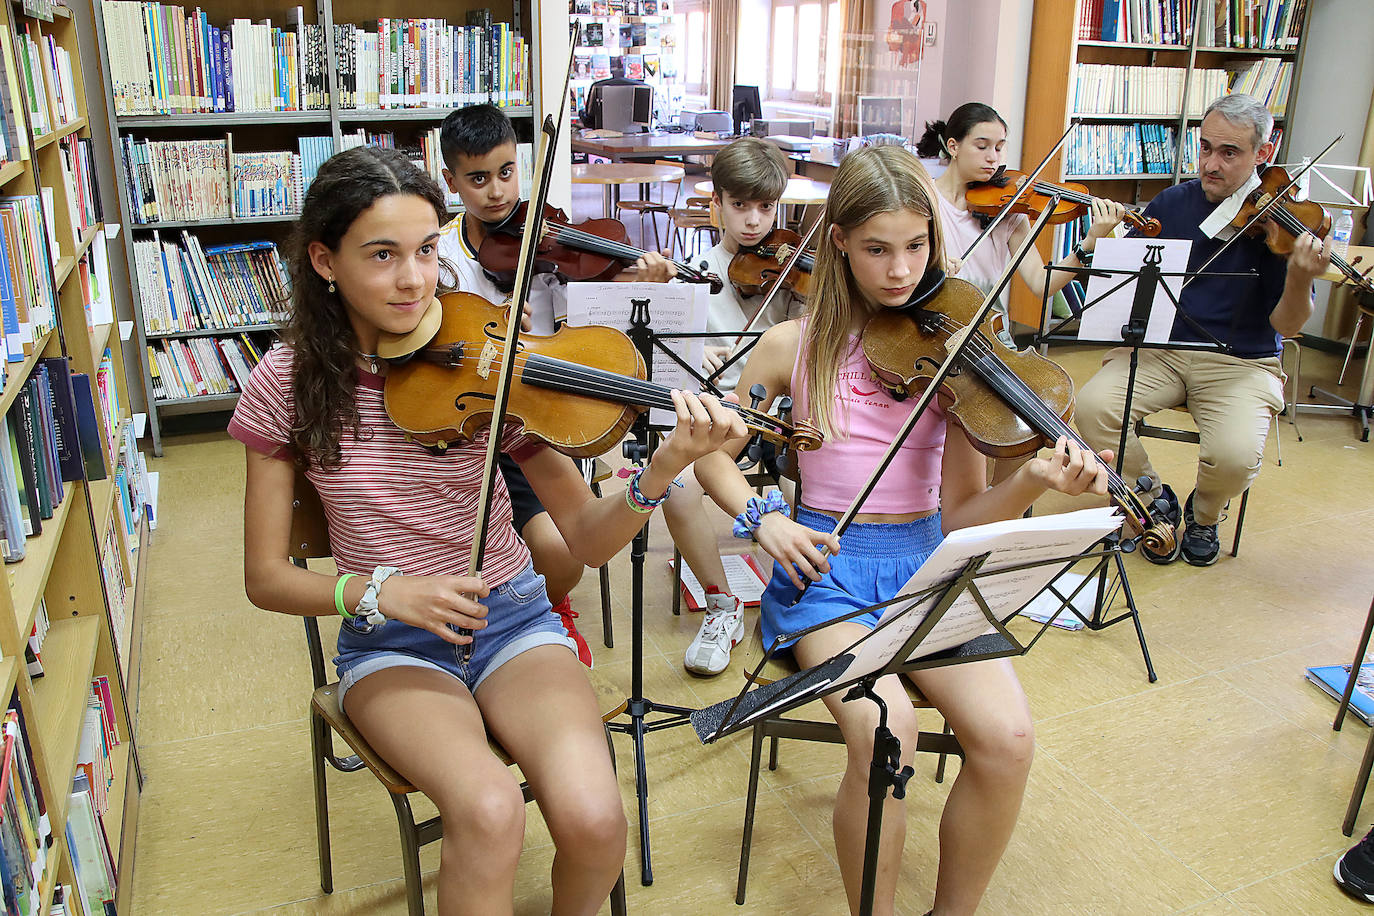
1220 789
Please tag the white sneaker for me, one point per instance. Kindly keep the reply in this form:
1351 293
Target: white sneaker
721 631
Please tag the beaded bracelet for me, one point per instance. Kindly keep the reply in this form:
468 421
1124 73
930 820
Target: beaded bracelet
338 595
748 521
636 499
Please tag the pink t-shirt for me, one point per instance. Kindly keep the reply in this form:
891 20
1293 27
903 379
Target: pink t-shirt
391 502
869 419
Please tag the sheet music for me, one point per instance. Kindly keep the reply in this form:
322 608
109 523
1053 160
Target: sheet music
1012 542
1102 320
674 308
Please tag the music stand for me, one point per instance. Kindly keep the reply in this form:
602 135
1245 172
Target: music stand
859 669
1145 298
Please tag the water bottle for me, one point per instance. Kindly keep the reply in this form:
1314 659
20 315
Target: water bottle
1340 233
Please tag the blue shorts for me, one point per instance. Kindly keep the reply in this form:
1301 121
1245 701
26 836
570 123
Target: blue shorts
873 564
518 619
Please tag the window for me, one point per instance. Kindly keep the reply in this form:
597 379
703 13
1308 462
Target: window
693 41
802 56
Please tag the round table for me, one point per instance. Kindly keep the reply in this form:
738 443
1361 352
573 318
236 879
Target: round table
612 174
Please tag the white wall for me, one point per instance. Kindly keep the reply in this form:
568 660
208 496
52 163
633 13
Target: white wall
1334 91
986 58
551 21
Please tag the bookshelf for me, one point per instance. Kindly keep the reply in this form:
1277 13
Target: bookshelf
60 575
1192 51
411 123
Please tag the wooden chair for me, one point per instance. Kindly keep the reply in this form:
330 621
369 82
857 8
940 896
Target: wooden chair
775 729
310 540
695 218
651 208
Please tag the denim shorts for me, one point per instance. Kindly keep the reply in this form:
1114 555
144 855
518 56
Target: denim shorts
873 564
518 619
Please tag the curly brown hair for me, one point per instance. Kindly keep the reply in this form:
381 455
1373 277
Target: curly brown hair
318 329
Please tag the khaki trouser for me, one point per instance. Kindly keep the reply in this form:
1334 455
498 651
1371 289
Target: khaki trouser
1232 400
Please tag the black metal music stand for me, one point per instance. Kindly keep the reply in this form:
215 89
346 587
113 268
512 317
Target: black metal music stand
886 775
1146 280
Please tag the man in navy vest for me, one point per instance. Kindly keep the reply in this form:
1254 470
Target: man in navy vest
1232 395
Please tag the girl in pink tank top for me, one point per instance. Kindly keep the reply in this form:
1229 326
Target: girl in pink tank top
883 238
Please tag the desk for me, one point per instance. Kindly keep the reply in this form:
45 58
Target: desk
646 146
1362 408
611 174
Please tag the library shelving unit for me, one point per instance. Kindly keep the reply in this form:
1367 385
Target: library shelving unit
1056 51
652 59
280 130
62 566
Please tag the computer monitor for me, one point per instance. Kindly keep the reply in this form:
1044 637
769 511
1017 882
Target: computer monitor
880 114
745 105
628 109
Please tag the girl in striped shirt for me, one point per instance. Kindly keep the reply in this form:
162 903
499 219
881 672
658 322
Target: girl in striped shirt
401 519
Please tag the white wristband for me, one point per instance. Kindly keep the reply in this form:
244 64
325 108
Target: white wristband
367 608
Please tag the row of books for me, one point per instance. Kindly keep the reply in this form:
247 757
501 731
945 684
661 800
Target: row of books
1118 89
79 182
164 60
1120 149
625 35
196 366
33 649
48 83
187 287
25 830
28 300
14 142
1268 80
88 843
637 66
176 179
620 7
116 587
1250 24
40 450
430 63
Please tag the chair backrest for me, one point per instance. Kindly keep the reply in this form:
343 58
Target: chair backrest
677 186
309 541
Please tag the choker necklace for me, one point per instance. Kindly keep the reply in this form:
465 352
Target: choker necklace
371 361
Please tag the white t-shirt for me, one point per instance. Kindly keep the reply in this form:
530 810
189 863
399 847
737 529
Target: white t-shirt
548 299
983 269
729 312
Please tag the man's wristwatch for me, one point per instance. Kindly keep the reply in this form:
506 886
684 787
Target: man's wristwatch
1084 256
367 608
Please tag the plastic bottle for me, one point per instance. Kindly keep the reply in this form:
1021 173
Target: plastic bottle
1340 233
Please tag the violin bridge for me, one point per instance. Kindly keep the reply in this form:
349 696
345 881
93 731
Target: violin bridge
489 355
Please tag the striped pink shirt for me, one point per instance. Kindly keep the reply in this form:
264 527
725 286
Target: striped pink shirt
391 502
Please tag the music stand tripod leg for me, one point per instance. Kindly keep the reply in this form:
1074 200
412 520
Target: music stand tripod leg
885 773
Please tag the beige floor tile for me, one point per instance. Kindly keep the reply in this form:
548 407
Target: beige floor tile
1198 767
1307 890
1217 907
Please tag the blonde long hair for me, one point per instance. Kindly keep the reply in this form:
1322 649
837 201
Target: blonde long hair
870 181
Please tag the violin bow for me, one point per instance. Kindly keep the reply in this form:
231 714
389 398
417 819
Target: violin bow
524 272
1026 185
1262 211
938 379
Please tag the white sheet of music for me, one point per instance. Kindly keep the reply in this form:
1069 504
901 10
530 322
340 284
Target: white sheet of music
674 308
1102 321
1012 542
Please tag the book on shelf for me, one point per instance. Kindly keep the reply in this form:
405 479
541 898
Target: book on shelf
1249 24
176 179
267 183
13 135
82 190
198 366
1333 679
33 648
432 63
28 300
88 845
186 287
88 427
41 427
1267 79
25 832
116 588
164 60
1118 89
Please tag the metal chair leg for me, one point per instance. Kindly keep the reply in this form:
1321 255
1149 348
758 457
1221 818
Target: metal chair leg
319 747
755 756
607 636
618 892
677 582
773 753
1240 521
410 855
1354 340
1352 810
1297 386
940 766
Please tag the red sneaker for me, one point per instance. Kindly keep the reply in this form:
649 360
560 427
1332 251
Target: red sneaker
565 613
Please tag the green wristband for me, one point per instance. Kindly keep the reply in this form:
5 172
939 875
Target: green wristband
338 595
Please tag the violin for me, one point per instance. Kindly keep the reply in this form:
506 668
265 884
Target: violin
594 249
1009 402
1288 218
755 269
578 389
989 197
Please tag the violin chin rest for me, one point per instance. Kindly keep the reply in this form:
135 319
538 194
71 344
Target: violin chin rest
394 346
930 284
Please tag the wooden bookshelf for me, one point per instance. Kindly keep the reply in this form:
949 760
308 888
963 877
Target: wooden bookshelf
61 566
277 130
1055 53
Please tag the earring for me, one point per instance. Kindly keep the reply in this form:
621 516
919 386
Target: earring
331 284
